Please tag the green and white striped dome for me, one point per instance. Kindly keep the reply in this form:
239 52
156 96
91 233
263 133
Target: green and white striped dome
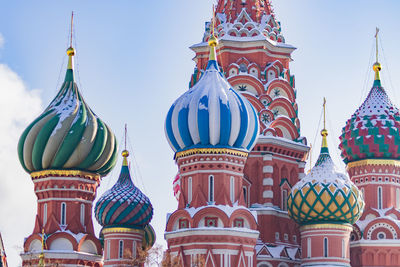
68 135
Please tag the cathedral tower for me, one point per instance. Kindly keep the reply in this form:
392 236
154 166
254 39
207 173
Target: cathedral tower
370 145
212 128
66 151
325 203
254 58
125 213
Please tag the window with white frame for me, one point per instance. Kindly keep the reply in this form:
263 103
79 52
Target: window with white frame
63 213
121 249
190 189
82 214
325 247
44 214
211 188
379 197
308 247
232 189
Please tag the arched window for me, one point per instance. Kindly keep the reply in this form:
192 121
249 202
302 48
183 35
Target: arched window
211 188
108 249
83 214
232 189
245 194
308 247
63 214
284 199
325 247
190 190
121 249
134 249
44 214
343 249
379 197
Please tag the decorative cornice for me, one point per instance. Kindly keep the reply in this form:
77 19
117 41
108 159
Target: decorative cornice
121 230
211 151
365 162
344 226
65 173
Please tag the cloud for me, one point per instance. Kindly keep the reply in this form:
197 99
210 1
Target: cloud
18 107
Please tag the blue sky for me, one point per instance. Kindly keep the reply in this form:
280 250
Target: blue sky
133 60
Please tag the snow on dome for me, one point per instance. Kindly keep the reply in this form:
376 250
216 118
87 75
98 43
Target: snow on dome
124 204
325 195
68 135
212 115
373 131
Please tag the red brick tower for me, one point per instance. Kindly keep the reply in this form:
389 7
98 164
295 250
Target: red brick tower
255 60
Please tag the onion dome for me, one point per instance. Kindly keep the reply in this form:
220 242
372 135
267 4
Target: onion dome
211 114
68 135
325 195
149 237
373 131
124 204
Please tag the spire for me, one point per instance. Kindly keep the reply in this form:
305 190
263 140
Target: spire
324 132
125 153
213 41
377 67
69 76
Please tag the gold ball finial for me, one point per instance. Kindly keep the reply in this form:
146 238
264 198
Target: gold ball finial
213 41
377 67
324 132
70 51
125 153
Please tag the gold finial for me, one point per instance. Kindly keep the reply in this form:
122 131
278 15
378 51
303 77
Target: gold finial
377 67
71 50
213 41
125 153
324 132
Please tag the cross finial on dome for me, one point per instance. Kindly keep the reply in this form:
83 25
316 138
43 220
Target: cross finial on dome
324 132
125 153
70 52
377 67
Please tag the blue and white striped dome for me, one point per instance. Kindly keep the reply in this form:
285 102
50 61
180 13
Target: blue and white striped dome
212 114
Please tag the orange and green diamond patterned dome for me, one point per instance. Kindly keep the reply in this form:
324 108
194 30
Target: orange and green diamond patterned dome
68 135
373 132
325 195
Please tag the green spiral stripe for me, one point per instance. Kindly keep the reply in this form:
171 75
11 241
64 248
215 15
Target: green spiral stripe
98 146
41 141
72 140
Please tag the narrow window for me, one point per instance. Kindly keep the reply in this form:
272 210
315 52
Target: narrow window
121 249
108 249
245 194
308 247
190 190
211 188
232 187
398 198
63 213
284 199
44 214
134 249
379 197
83 214
343 249
325 247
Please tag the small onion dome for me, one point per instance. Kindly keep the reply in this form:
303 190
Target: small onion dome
68 135
124 204
325 195
149 237
373 132
211 114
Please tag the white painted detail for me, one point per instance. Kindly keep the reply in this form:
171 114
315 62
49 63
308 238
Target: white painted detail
268 169
267 157
301 175
268 194
35 245
89 247
62 244
268 181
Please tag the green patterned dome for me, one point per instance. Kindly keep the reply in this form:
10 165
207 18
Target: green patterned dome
68 135
325 195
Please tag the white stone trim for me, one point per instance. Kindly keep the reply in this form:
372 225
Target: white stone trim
268 169
268 181
268 194
64 199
